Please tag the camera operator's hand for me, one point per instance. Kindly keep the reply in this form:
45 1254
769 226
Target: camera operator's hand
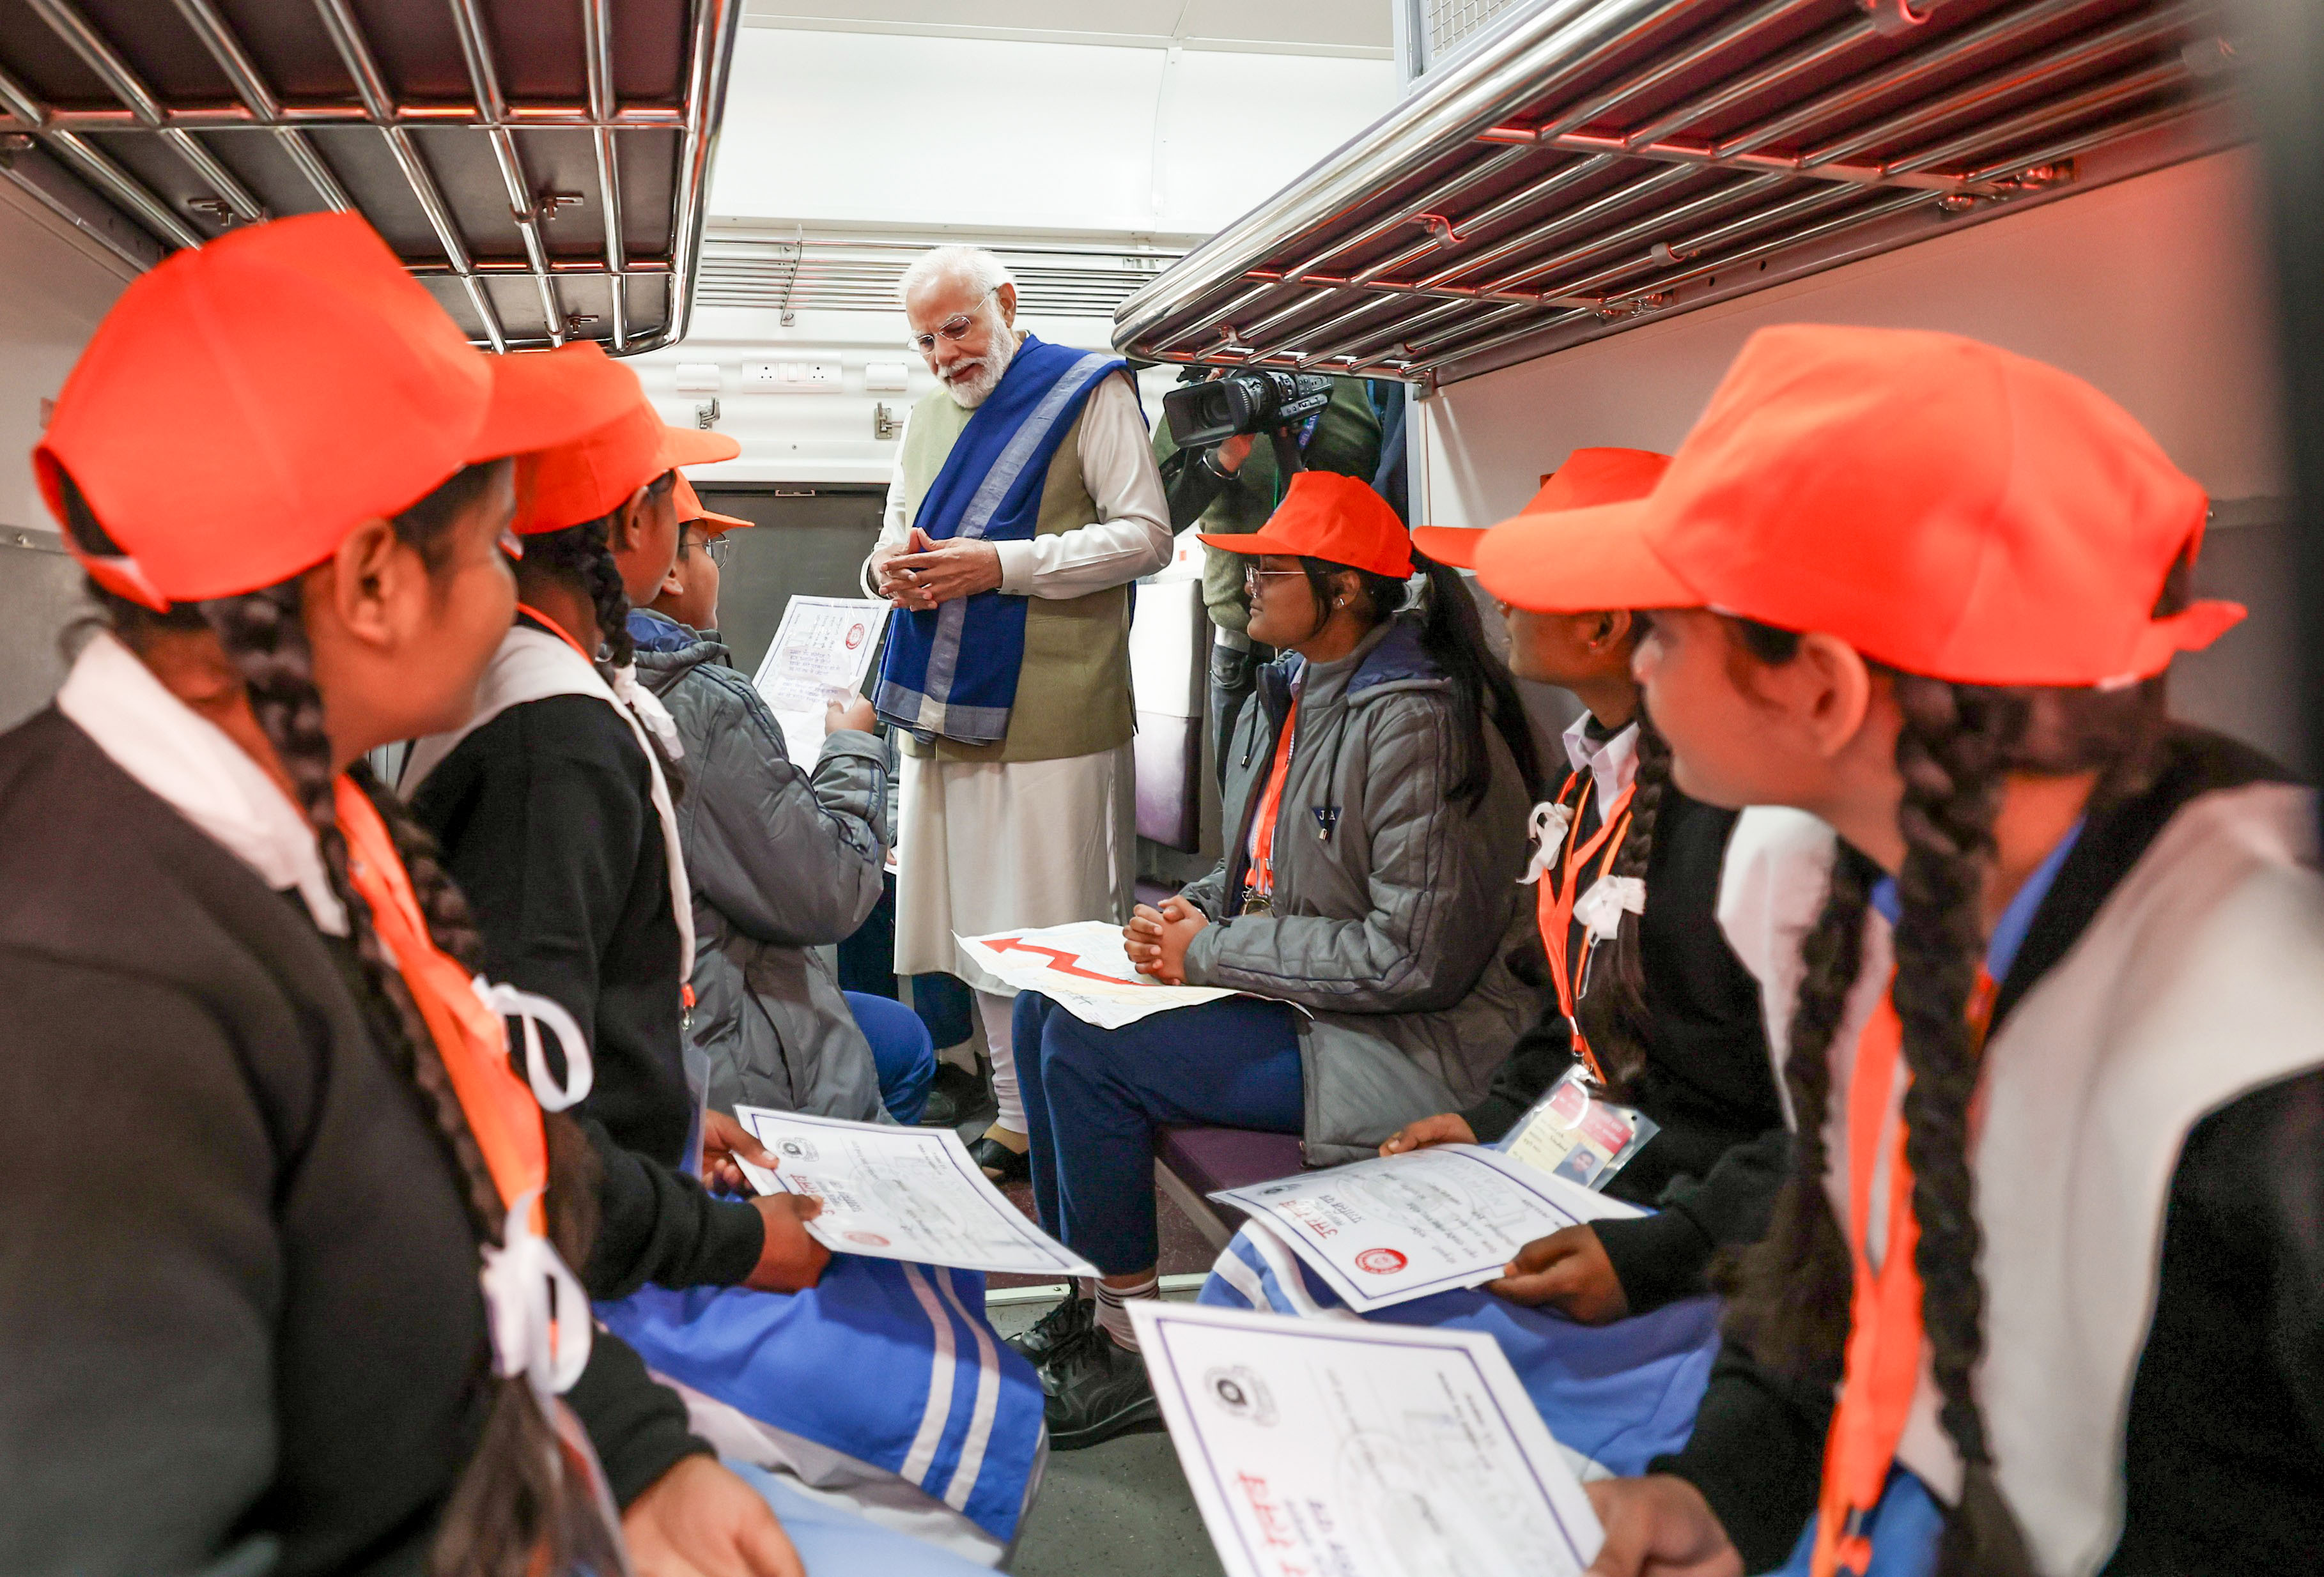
1229 456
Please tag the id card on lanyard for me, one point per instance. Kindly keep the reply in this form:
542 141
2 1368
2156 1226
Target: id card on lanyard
1560 890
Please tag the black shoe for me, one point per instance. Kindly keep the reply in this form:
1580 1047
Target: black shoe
955 1097
1096 1389
1060 1326
1001 1164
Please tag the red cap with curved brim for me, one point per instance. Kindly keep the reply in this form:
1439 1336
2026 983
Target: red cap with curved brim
249 402
594 474
1327 516
1945 508
707 524
1589 477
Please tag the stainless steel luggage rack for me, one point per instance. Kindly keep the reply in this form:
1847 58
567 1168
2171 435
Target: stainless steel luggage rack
541 165
1602 162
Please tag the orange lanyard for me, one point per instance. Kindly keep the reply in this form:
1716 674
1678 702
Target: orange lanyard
1884 1330
469 1036
1560 890
1270 805
555 629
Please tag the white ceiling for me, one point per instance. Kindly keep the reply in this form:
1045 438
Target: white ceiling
1358 28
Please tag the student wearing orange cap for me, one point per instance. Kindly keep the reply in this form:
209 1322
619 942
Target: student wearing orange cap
2051 1014
1377 801
783 861
1653 1009
556 803
320 1336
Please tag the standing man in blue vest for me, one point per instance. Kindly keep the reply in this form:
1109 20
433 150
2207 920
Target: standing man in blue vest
1025 500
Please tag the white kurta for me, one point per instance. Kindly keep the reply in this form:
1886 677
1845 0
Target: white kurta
984 846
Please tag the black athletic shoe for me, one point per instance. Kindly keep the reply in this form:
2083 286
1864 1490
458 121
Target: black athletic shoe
1096 1389
1060 1326
1001 1164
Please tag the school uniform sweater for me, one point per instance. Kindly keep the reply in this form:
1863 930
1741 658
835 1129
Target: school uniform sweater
239 1310
1715 1165
2218 1465
547 822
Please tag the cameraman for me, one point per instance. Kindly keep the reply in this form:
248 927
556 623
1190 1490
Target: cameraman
1231 488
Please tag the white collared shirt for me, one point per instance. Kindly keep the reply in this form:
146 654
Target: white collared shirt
204 775
1612 764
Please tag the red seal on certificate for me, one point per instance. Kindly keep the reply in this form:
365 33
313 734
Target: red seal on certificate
855 634
1380 1262
869 1240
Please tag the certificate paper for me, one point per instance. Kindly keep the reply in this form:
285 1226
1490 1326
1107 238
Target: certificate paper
1387 1230
821 652
897 1192
1336 1449
1084 968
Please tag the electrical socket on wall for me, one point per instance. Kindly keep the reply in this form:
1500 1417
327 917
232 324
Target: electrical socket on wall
792 377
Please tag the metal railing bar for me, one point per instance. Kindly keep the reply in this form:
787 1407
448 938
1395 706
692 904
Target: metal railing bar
1811 54
1661 219
1604 206
225 48
1597 107
239 118
96 51
124 187
597 44
491 110
1541 55
2112 130
483 308
29 111
1383 334
1693 246
1493 213
2015 76
311 164
476 52
1902 73
417 175
2042 117
354 54
578 268
713 38
1433 200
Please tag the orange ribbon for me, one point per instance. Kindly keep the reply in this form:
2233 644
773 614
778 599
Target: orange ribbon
1560 890
1885 1328
469 1036
1270 805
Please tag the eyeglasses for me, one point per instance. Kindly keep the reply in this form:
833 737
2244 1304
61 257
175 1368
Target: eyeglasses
954 329
719 549
1252 577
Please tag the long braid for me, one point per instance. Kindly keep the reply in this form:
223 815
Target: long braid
1611 1008
511 1500
1789 1293
1954 753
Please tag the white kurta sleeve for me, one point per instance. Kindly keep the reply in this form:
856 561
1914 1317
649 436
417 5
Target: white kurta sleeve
1132 534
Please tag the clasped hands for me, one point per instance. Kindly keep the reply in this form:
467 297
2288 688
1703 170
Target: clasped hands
925 572
1155 939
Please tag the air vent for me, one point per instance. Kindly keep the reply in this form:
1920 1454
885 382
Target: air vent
787 270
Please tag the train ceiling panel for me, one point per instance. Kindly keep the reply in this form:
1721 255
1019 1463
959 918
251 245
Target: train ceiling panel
541 165
1604 163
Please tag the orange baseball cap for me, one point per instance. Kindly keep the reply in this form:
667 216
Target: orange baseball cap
1589 477
1327 516
690 512
592 474
1945 508
249 402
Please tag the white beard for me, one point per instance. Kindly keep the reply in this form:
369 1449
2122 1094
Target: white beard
973 382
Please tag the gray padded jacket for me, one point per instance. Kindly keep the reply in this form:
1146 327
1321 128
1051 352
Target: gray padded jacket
1394 913
781 864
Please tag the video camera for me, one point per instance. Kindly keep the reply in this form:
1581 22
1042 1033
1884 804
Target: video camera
1245 401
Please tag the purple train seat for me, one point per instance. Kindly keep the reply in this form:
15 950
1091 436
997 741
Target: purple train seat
1190 1164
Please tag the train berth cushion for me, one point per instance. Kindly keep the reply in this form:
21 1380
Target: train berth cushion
1207 1160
